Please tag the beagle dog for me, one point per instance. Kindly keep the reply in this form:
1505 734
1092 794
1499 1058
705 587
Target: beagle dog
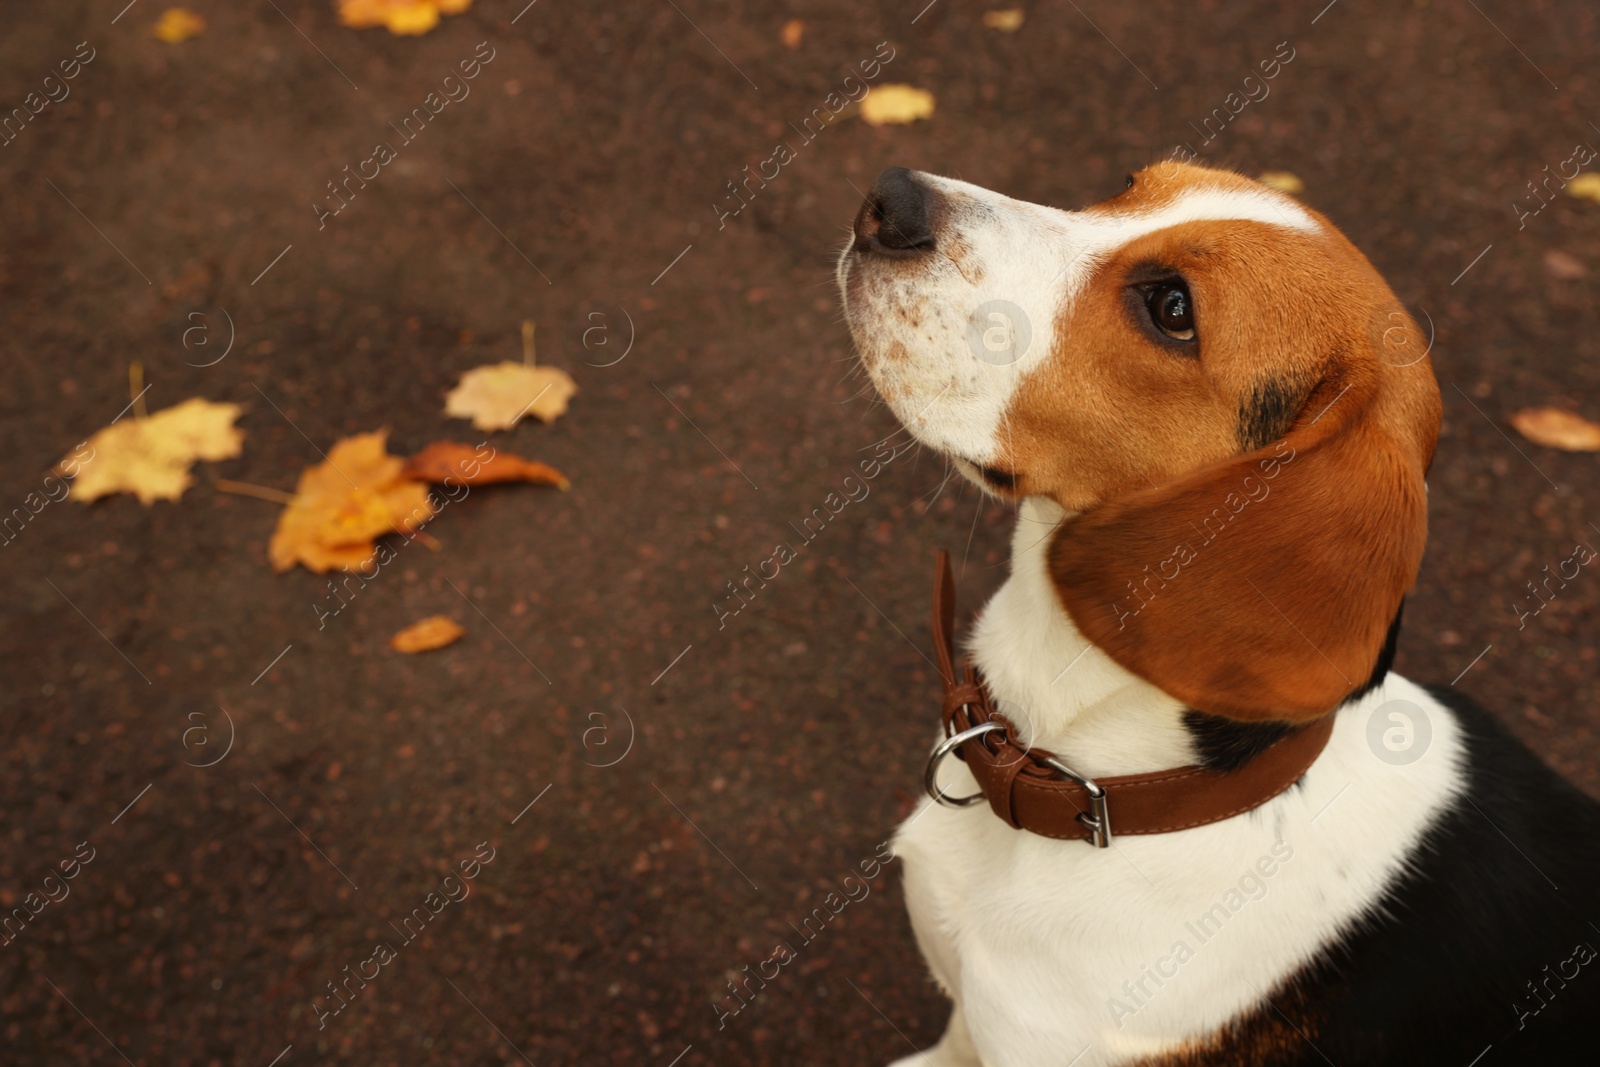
1215 420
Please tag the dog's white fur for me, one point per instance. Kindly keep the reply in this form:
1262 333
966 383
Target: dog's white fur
1032 938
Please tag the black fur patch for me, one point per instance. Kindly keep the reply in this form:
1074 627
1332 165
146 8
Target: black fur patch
998 478
1479 943
1228 744
1380 669
1266 415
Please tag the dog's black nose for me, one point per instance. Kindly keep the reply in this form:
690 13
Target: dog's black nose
894 218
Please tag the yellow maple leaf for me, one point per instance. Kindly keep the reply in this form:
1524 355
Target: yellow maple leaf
402 17
1006 20
435 631
1557 428
496 396
1585 187
150 456
178 24
342 505
896 104
1284 181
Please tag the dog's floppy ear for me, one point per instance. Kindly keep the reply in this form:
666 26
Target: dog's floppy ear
1263 586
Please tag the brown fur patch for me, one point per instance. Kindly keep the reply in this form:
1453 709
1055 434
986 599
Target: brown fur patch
1280 1032
1241 592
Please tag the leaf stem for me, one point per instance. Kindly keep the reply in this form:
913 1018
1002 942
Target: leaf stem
136 389
260 492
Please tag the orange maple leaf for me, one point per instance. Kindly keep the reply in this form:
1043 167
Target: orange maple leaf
342 505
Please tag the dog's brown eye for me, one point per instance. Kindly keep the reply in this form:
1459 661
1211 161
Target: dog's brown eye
1130 182
1172 310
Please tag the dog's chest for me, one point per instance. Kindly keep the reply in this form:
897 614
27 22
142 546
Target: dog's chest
1125 955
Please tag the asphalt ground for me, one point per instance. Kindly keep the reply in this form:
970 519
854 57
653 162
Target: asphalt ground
698 780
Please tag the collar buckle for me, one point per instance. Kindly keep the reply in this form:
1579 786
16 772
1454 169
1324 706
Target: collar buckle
1098 817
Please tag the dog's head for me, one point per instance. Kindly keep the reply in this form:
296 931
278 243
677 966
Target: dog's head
1224 395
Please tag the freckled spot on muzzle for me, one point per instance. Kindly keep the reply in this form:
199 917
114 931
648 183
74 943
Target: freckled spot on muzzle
962 258
911 313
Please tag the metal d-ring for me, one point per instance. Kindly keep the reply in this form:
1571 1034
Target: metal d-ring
1098 817
930 777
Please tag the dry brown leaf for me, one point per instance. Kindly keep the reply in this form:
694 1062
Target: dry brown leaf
403 17
793 31
497 396
1557 428
178 24
465 465
342 505
1585 187
1562 266
150 455
1006 20
896 105
435 631
1284 181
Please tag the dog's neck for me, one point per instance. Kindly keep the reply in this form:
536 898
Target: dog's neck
1064 694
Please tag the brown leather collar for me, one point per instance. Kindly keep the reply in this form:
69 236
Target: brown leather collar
1031 789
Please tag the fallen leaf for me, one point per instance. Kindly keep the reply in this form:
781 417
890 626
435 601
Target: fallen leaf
1585 187
793 31
1284 181
465 465
1563 267
1557 428
178 24
896 104
402 17
435 631
342 505
1006 19
497 396
150 456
